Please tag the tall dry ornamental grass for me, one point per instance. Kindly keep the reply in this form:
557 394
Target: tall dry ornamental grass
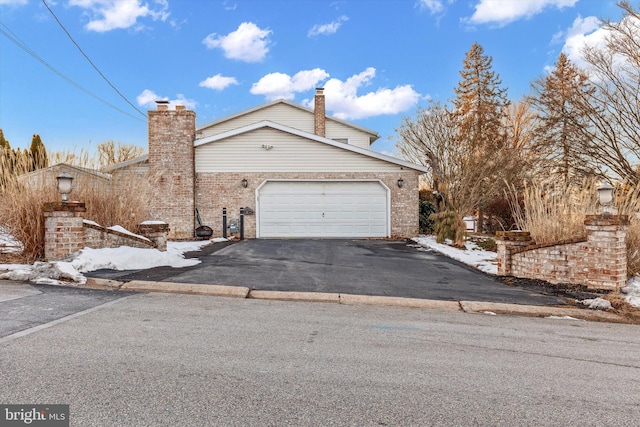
555 212
123 201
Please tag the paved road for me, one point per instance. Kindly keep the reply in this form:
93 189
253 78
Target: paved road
362 267
158 359
24 306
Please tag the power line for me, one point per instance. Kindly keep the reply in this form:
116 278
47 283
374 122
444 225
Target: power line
90 61
16 40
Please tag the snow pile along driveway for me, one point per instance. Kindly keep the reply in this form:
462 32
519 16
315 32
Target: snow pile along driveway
473 255
122 258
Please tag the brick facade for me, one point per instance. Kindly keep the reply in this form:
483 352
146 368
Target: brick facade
171 168
598 261
215 191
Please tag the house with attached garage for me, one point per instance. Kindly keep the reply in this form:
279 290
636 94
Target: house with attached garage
301 173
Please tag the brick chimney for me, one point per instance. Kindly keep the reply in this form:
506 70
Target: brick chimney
319 113
172 168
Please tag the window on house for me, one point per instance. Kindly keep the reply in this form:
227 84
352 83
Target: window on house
343 140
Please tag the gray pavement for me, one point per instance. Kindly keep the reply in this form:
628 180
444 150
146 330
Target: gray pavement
182 360
24 306
360 267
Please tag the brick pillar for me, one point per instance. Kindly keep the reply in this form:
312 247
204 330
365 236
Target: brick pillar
156 231
172 168
507 241
63 230
606 253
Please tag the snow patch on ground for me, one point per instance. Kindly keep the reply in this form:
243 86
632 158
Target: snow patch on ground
48 273
473 255
597 303
8 244
632 291
122 258
563 318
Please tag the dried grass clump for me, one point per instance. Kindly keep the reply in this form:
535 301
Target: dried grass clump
628 203
555 212
122 201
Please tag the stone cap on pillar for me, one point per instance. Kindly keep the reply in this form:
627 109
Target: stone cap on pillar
153 227
513 236
64 207
605 220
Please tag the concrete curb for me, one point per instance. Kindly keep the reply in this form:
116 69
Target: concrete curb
186 288
350 299
538 311
294 296
102 284
399 302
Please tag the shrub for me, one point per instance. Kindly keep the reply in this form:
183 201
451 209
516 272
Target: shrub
426 223
449 225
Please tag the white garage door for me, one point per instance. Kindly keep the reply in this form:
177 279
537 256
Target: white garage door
322 209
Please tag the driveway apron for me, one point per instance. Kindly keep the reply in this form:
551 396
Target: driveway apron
360 267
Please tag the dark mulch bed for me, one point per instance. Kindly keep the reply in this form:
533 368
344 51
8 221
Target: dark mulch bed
575 292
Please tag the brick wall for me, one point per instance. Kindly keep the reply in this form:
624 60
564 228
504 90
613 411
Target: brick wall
598 261
97 237
66 232
171 168
215 191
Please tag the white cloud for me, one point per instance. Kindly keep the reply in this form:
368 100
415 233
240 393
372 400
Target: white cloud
327 29
218 82
107 15
229 5
343 101
282 86
14 2
434 6
248 43
148 99
584 31
504 12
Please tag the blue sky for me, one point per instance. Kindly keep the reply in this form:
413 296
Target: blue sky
378 60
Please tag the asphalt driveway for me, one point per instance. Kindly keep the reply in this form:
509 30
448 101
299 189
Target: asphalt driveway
360 267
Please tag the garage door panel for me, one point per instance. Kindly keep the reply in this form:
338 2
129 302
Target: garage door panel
323 209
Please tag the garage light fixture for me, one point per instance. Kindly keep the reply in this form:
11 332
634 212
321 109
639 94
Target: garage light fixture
400 183
245 183
64 184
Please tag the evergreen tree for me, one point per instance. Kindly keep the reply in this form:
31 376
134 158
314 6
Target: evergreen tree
4 144
560 135
38 153
480 102
480 109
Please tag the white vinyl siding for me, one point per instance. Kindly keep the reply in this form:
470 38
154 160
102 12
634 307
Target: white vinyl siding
278 113
290 153
293 117
339 130
326 209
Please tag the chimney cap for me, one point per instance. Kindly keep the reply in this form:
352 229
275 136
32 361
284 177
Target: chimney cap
319 90
162 101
